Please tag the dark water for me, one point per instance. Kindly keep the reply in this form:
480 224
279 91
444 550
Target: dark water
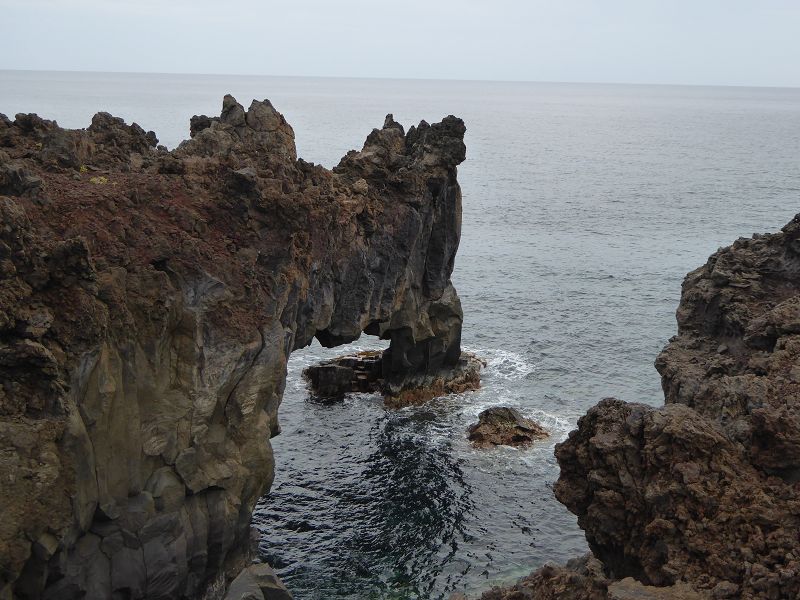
584 207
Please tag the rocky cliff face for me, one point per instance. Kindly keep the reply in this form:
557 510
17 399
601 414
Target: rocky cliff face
703 491
148 303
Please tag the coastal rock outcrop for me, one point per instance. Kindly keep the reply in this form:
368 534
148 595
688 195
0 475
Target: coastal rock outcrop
736 359
700 496
504 426
148 303
370 372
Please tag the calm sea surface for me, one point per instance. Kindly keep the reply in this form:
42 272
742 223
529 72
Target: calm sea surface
584 207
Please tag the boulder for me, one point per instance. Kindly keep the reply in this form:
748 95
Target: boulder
504 426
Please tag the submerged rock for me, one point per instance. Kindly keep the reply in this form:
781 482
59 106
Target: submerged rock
504 426
149 301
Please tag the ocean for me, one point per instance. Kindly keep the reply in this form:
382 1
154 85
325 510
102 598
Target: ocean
584 207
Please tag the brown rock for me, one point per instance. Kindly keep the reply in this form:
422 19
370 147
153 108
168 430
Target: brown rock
630 589
580 579
746 297
147 311
504 426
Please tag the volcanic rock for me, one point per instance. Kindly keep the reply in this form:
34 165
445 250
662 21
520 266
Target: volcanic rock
352 373
372 372
736 359
504 426
701 496
257 582
580 579
149 301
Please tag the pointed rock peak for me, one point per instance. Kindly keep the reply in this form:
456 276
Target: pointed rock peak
262 116
232 112
441 143
228 102
390 123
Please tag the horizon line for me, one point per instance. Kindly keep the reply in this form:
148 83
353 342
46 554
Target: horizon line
429 79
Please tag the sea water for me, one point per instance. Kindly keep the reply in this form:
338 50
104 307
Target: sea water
584 207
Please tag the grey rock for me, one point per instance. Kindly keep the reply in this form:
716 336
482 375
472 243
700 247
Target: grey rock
257 582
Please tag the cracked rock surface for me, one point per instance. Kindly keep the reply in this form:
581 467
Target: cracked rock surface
700 497
148 303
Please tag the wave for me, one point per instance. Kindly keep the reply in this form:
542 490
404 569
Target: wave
504 364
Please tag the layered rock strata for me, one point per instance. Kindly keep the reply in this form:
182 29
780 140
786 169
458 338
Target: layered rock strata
366 372
148 303
702 492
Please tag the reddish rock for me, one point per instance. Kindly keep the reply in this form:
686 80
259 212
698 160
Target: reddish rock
580 579
148 304
700 497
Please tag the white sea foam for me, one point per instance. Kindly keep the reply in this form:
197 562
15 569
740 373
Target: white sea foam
504 364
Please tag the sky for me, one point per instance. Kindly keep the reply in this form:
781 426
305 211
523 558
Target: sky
700 42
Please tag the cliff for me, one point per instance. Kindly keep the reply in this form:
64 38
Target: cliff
702 492
148 303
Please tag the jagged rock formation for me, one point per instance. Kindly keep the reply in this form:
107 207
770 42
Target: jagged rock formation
704 491
504 426
580 579
148 303
736 357
370 372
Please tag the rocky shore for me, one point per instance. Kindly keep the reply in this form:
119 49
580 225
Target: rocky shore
699 498
149 300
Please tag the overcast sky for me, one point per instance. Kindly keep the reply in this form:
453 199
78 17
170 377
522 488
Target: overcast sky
725 42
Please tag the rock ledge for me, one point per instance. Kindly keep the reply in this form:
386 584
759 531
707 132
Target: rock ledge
365 372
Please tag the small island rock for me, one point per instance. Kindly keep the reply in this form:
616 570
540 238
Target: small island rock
504 426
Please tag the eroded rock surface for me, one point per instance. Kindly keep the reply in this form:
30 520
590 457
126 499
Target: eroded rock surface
373 372
701 496
736 359
580 579
148 303
504 426
665 497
